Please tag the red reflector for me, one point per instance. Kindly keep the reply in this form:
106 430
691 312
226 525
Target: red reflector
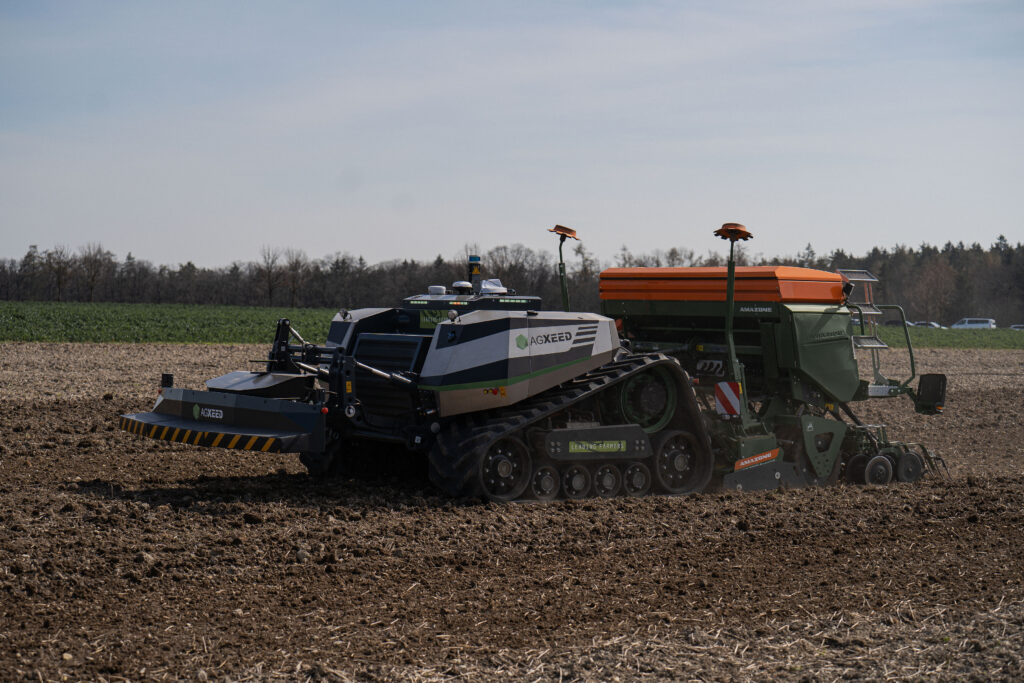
324 410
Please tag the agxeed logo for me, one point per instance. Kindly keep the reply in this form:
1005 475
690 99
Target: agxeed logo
208 413
551 338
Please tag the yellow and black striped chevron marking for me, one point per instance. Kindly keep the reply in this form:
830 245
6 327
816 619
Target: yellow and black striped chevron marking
244 442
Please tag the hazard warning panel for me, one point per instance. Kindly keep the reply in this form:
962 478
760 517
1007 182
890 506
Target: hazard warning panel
727 398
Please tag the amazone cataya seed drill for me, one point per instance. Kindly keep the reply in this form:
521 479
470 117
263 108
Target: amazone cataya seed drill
772 352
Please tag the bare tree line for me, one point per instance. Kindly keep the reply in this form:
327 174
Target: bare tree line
934 283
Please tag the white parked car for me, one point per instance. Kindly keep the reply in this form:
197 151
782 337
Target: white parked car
974 324
1017 327
929 323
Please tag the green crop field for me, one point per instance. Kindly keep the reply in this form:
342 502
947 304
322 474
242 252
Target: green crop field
930 337
105 322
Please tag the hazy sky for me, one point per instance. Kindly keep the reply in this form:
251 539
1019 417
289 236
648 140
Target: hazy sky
202 131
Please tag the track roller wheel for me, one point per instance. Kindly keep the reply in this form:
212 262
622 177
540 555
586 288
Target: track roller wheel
909 467
636 480
878 471
505 469
576 481
607 480
679 465
545 483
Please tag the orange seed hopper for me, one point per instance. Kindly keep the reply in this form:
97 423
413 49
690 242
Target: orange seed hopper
787 284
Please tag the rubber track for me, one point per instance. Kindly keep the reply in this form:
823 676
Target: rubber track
458 448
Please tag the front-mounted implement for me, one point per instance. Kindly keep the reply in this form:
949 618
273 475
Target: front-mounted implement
245 411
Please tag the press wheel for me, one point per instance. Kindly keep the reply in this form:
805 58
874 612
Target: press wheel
909 467
878 471
855 468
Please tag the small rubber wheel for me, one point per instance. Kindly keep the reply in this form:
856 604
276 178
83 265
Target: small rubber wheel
909 467
636 480
576 481
607 480
878 471
545 483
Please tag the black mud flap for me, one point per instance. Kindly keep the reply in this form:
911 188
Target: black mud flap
220 420
931 395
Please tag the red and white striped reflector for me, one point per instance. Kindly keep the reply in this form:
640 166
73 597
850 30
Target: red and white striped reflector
727 398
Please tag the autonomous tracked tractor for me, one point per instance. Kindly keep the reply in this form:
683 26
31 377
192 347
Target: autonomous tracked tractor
509 402
504 400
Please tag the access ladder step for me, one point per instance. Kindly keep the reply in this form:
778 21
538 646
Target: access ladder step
866 307
869 342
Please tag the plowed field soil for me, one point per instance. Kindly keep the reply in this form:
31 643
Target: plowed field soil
123 558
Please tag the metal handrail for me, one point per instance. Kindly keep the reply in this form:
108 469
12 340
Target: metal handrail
906 333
